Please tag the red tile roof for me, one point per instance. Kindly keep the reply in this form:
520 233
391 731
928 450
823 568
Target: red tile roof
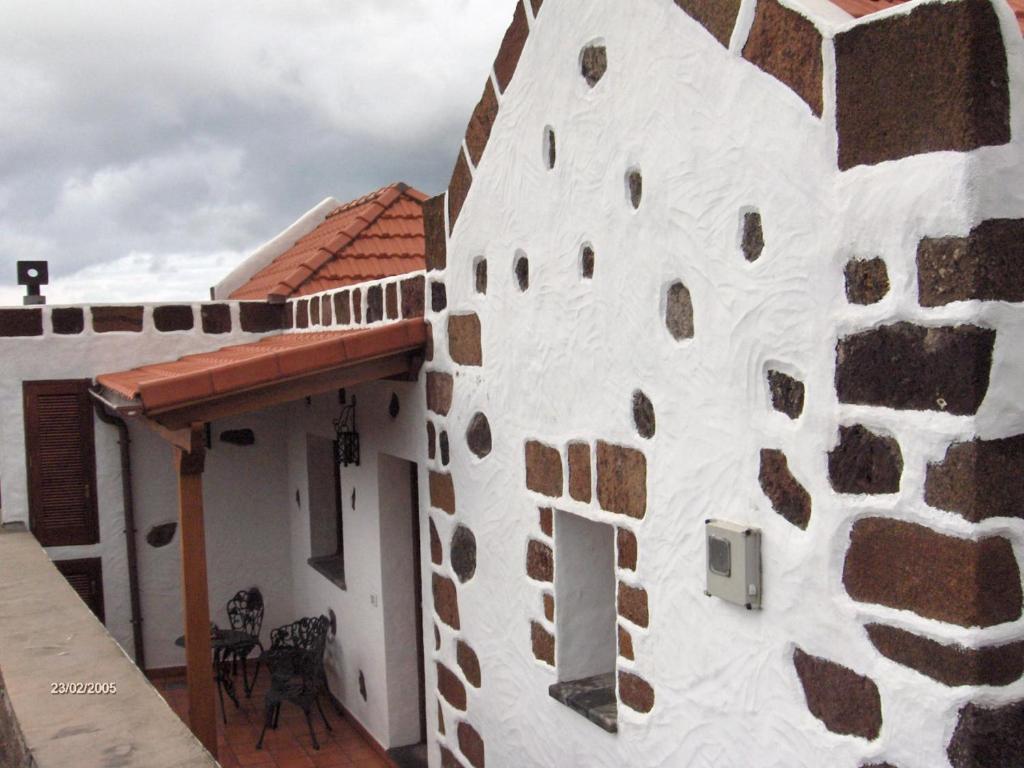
858 8
377 236
243 367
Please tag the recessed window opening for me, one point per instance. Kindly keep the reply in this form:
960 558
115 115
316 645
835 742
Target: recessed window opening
326 541
586 618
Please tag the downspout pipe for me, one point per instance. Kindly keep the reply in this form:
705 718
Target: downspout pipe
124 441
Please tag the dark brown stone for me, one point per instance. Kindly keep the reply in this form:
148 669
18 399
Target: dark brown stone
867 281
910 567
302 313
679 312
580 479
787 394
930 80
536 4
549 143
442 492
435 239
471 745
68 321
635 692
593 63
444 448
633 604
979 480
463 553
988 737
448 760
469 663
288 317
522 272
413 297
847 703
908 367
643 415
626 644
543 469
480 276
788 497
436 549
464 344
717 16
549 606
171 318
547 516
440 719
260 317
950 664
216 318
635 186
481 122
865 463
112 319
357 306
161 535
438 296
327 310
451 687
343 308
478 435
621 480
391 301
314 311
511 48
437 638
543 643
446 601
458 189
540 561
753 236
787 46
374 304
431 440
987 265
587 258
439 392
626 546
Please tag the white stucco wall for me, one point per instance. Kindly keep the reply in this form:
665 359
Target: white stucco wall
713 136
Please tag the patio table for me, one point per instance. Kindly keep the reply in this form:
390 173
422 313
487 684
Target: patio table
222 641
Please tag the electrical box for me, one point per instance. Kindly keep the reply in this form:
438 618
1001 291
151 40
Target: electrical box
734 563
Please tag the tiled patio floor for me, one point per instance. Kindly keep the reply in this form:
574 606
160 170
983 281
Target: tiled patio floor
287 747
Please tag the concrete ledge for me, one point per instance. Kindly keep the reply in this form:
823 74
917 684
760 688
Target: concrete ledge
48 635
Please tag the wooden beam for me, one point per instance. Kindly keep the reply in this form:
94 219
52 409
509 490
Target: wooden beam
199 672
184 439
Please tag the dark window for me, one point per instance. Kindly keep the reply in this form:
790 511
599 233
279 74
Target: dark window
86 578
327 551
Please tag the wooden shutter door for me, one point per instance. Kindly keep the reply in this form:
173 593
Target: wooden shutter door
86 578
61 456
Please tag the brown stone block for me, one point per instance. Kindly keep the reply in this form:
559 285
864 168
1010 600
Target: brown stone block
478 435
867 281
448 760
391 301
374 304
435 238
593 65
679 312
909 367
302 313
436 549
540 561
544 469
979 480
626 644
950 664
343 307
463 553
787 394
458 189
549 606
633 604
787 46
260 317
171 318
717 16
446 601
471 744
469 663
428 353
480 124
24 322
580 480
440 720
987 265
216 318
480 276
117 319
314 311
930 80
643 415
788 497
439 392
67 321
442 492
547 521
635 692
847 703
865 463
627 548
511 48
438 296
464 339
621 480
357 306
988 737
536 6
431 440
327 310
451 687
414 297
910 567
543 643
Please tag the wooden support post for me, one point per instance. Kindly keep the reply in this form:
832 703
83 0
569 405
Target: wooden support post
201 707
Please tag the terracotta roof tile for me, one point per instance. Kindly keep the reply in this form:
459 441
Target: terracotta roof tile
386 225
859 8
248 366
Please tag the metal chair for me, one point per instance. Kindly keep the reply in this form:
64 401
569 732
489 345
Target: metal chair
245 613
296 664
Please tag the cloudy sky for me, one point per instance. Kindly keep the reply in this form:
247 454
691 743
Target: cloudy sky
146 147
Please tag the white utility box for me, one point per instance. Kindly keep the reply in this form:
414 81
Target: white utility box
734 563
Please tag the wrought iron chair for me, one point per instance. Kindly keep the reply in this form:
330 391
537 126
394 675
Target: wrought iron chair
245 613
296 664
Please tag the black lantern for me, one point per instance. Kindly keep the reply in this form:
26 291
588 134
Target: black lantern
346 443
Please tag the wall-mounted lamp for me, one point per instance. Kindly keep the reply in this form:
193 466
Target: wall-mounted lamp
346 442
33 274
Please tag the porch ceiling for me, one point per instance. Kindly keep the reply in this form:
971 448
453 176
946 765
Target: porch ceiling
248 377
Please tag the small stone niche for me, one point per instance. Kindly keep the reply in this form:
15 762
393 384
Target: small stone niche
634 187
550 150
587 261
521 268
752 238
593 63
